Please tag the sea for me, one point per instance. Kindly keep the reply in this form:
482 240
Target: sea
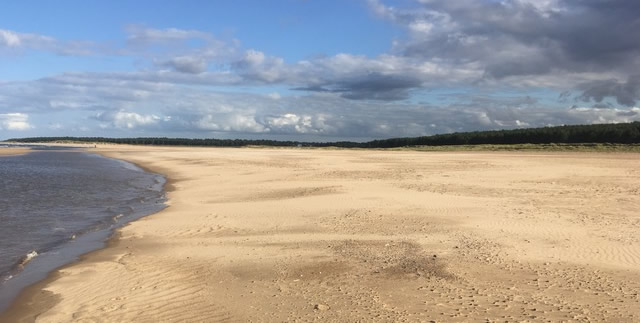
59 203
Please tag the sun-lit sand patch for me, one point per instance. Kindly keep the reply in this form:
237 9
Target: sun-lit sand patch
271 235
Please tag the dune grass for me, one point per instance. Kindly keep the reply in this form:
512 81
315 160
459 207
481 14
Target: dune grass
530 147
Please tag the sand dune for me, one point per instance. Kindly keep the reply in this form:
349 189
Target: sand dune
270 235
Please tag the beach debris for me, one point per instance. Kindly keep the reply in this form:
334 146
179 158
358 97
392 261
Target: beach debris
321 307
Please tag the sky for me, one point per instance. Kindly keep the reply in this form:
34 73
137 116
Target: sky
314 70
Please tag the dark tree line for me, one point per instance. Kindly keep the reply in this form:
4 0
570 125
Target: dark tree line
624 133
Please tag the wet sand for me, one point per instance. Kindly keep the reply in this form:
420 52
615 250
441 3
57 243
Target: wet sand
5 151
267 235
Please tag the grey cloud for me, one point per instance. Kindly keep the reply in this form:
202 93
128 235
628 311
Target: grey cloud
256 66
572 35
139 35
372 86
625 93
520 39
386 78
187 64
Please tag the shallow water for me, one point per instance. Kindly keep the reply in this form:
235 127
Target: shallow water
55 206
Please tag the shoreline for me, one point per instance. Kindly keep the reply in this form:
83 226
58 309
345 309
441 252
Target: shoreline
347 235
34 300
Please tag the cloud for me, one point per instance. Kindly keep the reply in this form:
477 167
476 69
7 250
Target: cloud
524 41
125 119
14 121
9 38
256 66
138 35
184 51
384 78
373 86
274 95
187 64
14 40
231 122
291 123
625 93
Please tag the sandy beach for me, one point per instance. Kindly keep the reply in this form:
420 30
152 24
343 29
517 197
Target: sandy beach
270 235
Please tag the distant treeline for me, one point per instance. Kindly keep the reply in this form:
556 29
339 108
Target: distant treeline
624 133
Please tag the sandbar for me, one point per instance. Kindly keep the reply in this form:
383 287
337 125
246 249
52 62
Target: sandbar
10 151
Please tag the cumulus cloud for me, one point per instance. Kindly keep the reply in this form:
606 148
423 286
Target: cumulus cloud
231 122
256 66
126 120
14 121
517 39
299 124
9 38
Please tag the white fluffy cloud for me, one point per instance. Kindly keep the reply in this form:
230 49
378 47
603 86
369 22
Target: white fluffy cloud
15 40
126 120
14 121
9 38
230 122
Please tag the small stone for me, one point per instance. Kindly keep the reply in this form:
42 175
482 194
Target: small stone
321 307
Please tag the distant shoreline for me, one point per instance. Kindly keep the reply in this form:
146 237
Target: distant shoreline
552 147
589 134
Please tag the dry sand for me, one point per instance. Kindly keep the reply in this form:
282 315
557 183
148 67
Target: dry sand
271 235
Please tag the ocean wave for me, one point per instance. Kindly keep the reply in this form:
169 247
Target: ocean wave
28 257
